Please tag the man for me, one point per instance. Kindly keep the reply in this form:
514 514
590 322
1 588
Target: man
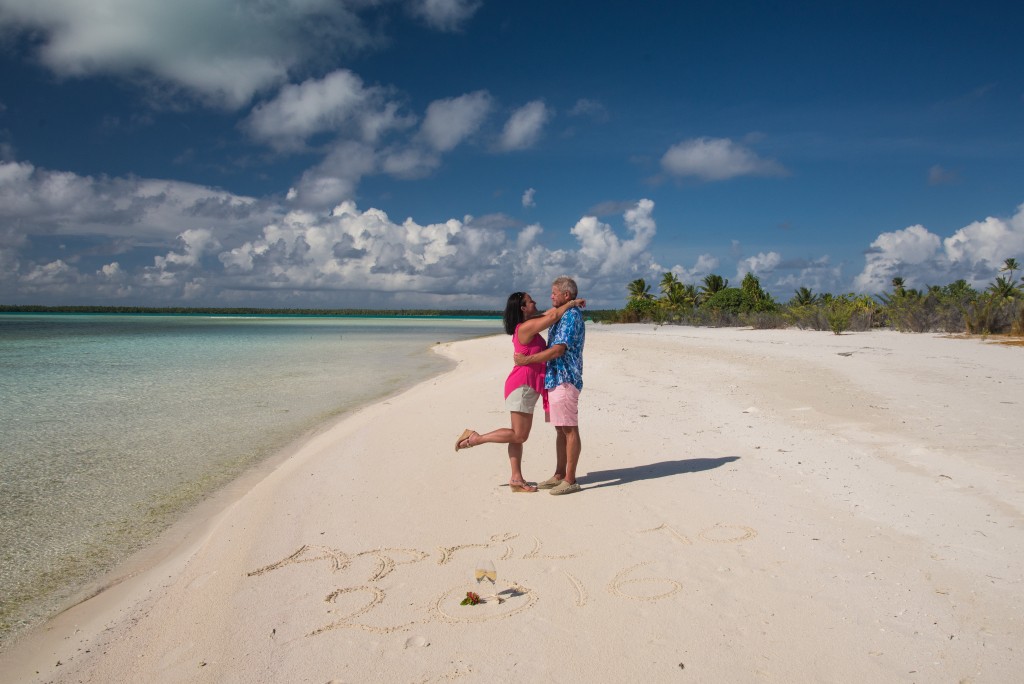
564 381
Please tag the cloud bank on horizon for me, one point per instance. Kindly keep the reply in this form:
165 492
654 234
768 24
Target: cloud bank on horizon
304 107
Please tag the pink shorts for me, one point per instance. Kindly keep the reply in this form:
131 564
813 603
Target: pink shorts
565 405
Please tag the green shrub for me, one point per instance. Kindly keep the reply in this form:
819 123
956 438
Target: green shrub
730 300
839 313
990 314
756 298
640 310
807 316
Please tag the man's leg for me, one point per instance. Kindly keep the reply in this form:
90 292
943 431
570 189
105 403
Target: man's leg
572 445
561 456
568 442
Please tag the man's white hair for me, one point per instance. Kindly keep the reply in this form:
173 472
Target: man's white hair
565 284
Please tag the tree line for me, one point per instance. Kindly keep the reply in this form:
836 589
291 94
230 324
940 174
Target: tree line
954 308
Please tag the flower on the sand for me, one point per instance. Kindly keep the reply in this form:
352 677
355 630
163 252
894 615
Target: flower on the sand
471 599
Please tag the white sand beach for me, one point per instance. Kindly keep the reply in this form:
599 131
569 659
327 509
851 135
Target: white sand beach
757 506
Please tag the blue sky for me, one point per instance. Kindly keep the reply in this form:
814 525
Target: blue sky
443 153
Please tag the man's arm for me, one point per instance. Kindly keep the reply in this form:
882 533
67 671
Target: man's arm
552 352
532 326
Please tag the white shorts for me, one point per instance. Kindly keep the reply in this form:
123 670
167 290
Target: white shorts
522 399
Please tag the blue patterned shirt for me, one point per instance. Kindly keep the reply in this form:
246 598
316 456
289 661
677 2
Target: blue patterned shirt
568 367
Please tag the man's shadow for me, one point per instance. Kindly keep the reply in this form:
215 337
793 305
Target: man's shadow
651 471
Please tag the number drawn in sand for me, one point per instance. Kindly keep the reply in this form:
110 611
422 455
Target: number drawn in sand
615 587
581 592
376 598
681 538
727 534
491 610
626 584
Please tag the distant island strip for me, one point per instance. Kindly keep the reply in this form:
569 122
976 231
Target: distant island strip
248 311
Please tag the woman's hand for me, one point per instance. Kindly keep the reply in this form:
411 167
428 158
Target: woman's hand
520 359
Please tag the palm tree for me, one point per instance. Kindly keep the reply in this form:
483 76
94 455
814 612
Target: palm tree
1003 288
668 282
680 296
688 293
640 290
805 297
897 286
1010 265
712 283
958 291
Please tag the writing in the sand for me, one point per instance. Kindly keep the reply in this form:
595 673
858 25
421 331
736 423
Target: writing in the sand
350 604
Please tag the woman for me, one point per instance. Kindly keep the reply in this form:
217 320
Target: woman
525 384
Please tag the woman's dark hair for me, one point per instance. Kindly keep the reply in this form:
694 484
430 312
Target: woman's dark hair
513 312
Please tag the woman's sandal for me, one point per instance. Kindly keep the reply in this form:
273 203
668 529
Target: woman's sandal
521 488
464 437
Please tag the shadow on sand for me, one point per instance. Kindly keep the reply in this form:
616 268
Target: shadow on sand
651 471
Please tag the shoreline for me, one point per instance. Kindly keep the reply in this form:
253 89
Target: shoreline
126 583
190 522
778 442
87 497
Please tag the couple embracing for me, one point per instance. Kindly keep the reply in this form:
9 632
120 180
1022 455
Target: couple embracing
551 372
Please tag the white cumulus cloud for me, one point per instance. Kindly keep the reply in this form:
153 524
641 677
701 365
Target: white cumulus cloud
195 242
715 159
342 257
528 198
974 253
897 253
759 264
603 253
335 178
43 202
524 127
706 263
409 162
988 242
221 50
337 103
448 122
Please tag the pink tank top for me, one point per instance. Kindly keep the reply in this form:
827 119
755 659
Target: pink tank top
532 374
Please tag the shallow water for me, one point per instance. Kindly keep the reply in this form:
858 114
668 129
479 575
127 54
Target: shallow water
111 426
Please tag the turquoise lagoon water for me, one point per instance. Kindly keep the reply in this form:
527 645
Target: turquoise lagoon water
111 426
